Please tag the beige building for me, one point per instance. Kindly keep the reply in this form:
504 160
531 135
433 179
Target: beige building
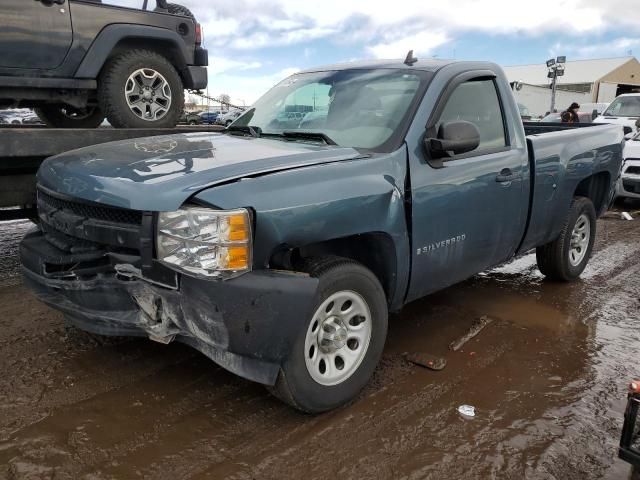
604 78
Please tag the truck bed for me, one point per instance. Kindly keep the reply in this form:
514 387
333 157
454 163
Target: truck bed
559 156
535 128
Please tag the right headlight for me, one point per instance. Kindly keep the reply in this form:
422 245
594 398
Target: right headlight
205 242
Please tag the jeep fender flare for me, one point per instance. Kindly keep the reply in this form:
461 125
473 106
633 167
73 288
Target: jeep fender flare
105 42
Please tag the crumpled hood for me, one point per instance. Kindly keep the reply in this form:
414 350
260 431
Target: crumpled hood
161 173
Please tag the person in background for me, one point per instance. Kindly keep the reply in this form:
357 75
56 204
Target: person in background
570 115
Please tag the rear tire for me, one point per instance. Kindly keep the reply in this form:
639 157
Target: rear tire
566 257
62 116
141 89
346 333
175 9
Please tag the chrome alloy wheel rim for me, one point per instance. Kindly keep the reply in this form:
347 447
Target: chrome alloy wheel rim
148 94
337 338
580 240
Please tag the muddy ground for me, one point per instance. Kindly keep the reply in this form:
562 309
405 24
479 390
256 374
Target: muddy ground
547 378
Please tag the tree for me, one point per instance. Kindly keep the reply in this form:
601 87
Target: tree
225 98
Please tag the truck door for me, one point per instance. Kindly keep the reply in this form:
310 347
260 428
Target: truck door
468 211
34 33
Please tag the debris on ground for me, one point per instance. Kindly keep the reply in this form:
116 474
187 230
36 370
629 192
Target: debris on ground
475 329
426 360
467 410
626 216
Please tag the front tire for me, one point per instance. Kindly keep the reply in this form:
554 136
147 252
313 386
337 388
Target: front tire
567 256
141 89
62 116
340 345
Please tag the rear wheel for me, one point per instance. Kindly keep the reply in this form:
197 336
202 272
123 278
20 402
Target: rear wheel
63 116
567 256
141 89
341 343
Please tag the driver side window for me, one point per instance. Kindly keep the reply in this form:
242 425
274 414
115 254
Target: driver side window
477 101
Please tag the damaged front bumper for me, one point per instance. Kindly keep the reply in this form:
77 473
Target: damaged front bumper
246 325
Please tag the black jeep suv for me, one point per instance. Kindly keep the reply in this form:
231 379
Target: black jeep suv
78 61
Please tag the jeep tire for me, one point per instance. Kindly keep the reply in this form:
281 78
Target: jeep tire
63 116
140 89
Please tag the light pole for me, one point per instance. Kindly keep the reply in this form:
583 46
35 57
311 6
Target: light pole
555 69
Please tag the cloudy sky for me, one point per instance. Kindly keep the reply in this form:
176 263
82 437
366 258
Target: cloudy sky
254 43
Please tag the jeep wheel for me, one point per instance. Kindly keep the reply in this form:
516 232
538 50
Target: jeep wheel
567 256
192 122
340 344
63 116
141 89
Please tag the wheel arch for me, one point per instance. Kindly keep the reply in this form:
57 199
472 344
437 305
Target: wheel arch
375 250
596 188
115 39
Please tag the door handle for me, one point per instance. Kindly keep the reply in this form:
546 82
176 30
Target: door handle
49 3
507 175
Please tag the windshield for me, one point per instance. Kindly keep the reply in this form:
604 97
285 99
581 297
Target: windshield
354 108
624 107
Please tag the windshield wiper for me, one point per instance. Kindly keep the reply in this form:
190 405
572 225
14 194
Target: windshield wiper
302 134
245 129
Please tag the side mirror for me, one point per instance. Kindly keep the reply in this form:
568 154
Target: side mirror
594 114
456 137
627 130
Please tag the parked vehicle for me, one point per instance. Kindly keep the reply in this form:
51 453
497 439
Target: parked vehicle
227 118
277 250
209 118
624 110
77 61
629 183
190 118
598 108
524 112
32 120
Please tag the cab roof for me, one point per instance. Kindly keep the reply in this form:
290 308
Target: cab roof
428 65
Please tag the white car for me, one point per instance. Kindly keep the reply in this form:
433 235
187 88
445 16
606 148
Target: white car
624 110
227 118
629 183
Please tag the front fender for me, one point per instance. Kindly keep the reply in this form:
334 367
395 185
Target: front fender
112 34
315 204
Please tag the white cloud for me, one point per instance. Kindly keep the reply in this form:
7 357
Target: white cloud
219 65
246 89
421 43
618 47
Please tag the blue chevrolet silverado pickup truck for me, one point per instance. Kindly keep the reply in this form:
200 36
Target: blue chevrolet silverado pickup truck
278 247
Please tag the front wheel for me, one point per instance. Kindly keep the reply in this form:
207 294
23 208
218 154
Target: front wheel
341 342
567 256
141 89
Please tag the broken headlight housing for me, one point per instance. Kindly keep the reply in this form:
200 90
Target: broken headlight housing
205 242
